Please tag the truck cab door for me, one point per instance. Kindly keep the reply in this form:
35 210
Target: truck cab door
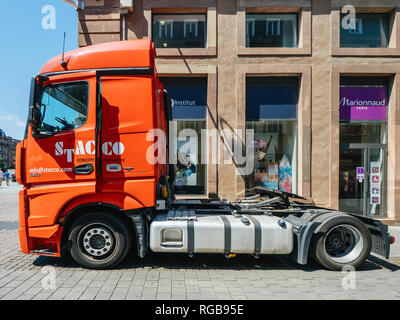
62 148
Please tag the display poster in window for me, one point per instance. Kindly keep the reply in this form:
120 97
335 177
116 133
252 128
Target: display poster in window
375 183
271 169
186 162
360 173
285 174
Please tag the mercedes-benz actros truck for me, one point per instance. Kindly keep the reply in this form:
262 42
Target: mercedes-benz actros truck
90 186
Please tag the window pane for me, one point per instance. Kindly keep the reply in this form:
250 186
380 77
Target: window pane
64 106
371 31
275 155
271 98
179 30
190 172
362 132
271 30
271 108
189 103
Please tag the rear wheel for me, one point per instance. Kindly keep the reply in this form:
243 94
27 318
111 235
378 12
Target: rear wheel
99 240
346 242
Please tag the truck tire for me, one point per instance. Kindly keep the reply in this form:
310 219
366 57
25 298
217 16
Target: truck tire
344 241
98 240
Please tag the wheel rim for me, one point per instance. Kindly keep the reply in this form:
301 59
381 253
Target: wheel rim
97 241
343 243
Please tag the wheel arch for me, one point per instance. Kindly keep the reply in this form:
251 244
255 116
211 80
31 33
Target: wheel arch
127 216
309 226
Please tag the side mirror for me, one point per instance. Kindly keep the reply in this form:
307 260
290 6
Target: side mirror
167 105
34 118
35 115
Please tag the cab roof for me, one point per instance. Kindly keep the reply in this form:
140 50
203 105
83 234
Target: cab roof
117 54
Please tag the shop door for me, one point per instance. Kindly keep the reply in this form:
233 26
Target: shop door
362 185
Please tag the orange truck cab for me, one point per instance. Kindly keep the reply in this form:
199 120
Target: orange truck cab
84 147
90 188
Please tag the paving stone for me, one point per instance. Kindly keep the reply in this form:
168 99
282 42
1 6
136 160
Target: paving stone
89 294
119 294
103 296
201 278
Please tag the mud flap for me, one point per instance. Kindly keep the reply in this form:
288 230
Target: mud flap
140 224
380 236
303 231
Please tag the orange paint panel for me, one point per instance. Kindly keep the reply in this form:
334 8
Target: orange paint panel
45 202
132 162
23 240
18 164
43 232
126 104
116 198
143 190
53 159
118 54
22 208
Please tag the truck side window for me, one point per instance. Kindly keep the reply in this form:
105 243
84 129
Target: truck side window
64 106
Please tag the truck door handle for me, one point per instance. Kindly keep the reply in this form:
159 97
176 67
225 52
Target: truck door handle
83 169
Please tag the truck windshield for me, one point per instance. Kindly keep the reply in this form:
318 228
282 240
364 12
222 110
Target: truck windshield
63 106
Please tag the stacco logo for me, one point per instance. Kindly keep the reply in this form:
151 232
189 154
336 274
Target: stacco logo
88 148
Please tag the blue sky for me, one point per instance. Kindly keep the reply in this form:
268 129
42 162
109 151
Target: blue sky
25 47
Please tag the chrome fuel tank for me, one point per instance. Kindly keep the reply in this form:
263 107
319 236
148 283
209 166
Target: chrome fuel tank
242 234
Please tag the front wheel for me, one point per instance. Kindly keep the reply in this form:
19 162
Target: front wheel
346 242
98 240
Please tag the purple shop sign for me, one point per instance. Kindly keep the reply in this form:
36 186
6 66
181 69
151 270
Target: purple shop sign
363 103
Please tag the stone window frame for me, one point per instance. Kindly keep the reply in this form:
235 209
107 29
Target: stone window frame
207 7
303 115
210 72
302 8
393 121
394 33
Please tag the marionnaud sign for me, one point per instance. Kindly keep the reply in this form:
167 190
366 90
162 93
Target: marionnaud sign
363 103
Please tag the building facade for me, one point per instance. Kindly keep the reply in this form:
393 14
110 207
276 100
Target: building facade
7 149
317 83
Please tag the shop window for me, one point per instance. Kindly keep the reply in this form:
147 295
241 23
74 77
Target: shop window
371 31
271 112
271 30
363 110
189 104
179 30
